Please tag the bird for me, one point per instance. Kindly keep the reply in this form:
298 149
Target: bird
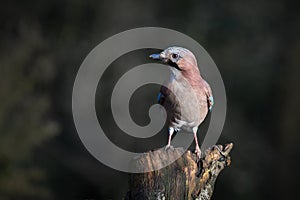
185 95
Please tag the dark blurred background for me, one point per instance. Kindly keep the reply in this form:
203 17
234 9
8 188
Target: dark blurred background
255 44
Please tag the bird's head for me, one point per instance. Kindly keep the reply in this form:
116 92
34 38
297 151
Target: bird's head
180 58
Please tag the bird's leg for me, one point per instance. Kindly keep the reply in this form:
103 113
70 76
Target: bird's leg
197 149
171 131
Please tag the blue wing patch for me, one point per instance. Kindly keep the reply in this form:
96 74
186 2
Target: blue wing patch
211 102
158 97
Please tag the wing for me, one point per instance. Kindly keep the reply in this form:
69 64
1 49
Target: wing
210 98
163 93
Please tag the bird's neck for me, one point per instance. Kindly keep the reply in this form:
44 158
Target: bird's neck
193 76
175 74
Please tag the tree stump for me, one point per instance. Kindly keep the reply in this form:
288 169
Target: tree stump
184 179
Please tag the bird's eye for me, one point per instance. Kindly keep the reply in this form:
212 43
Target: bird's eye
174 55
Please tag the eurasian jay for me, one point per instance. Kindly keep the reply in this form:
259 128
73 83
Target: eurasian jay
186 96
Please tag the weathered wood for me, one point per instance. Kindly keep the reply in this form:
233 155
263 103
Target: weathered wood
184 179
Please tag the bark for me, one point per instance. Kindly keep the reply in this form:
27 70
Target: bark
184 179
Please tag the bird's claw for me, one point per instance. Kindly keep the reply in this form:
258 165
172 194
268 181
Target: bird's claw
198 152
169 147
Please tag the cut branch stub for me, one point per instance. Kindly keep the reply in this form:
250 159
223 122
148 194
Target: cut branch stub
183 179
